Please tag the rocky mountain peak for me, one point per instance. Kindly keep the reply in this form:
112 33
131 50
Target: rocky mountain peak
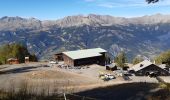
13 23
79 20
8 19
141 35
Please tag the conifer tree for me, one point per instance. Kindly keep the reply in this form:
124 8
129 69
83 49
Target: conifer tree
121 59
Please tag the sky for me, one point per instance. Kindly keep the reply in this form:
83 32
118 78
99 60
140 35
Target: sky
56 9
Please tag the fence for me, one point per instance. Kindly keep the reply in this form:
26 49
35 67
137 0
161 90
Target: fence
72 97
43 97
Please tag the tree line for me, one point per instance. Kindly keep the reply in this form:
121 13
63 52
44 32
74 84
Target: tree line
17 51
163 58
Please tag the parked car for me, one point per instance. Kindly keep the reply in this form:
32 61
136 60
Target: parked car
107 77
153 74
52 62
110 76
126 78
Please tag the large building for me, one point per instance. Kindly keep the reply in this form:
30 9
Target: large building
85 57
146 67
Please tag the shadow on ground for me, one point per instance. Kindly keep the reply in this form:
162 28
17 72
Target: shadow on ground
18 70
129 91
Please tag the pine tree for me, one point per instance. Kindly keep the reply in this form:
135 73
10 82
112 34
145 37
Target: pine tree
121 59
33 58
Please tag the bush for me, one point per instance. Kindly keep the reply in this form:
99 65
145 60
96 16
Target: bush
163 58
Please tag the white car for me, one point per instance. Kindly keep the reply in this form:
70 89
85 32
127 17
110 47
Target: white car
111 76
52 62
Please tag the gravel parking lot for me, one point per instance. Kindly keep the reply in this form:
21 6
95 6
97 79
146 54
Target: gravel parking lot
92 70
165 78
143 79
86 77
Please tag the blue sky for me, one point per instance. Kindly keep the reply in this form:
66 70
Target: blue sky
55 9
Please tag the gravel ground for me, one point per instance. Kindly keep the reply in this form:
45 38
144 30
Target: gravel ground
143 79
91 71
39 75
165 78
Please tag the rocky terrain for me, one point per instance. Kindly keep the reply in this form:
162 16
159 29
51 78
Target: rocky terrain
147 35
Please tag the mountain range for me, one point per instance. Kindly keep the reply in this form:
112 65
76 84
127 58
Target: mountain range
146 35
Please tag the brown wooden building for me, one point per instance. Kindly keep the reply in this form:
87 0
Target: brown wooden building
58 56
13 61
85 57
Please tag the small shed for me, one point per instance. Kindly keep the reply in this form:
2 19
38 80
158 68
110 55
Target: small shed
27 59
13 61
111 67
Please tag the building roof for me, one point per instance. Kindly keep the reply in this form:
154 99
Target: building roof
12 59
86 53
26 57
145 64
163 66
141 65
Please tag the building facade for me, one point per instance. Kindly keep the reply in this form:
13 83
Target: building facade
145 68
85 57
152 69
58 57
13 61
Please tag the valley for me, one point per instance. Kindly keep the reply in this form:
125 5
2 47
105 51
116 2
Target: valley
144 36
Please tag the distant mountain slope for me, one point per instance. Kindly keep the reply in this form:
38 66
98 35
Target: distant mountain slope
147 35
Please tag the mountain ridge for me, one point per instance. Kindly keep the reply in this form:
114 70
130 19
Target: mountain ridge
146 35
90 19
